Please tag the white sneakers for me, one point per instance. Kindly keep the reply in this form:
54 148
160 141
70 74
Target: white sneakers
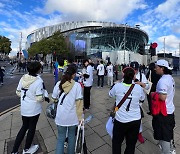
31 150
173 151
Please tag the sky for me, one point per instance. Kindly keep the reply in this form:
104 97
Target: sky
159 18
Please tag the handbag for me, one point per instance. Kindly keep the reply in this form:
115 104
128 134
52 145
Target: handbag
149 83
110 122
80 138
51 109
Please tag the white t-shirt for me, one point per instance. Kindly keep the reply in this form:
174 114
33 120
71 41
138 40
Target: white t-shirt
66 113
118 91
109 70
29 105
100 69
88 81
166 85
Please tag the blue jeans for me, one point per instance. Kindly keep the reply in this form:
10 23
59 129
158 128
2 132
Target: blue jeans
61 139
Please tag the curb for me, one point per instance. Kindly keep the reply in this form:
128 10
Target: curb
8 110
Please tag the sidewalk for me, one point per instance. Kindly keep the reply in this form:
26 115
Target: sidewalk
97 139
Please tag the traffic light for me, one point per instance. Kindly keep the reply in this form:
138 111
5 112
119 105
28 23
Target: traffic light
152 49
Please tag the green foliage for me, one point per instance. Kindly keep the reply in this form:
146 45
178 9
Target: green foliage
55 43
5 45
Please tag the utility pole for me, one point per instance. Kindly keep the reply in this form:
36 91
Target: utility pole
124 41
164 49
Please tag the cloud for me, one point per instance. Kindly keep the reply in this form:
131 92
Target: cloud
1 5
169 9
171 41
105 10
163 22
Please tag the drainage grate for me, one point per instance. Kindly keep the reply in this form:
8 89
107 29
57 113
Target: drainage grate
37 140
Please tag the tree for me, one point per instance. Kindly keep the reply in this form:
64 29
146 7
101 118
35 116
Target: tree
56 43
5 45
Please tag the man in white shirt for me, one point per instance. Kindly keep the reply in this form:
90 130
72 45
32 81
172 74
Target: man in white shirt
109 74
100 73
163 126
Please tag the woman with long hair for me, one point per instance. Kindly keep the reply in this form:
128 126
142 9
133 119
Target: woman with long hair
163 126
128 117
68 94
32 91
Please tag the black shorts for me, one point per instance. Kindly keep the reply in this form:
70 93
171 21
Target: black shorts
163 127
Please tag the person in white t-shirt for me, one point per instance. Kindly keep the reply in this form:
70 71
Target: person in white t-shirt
163 126
109 74
32 91
87 81
128 117
142 81
100 73
68 94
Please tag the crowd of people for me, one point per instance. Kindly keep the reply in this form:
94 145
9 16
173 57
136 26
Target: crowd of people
72 93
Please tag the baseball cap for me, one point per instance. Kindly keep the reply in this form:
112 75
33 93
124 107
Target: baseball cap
163 63
134 65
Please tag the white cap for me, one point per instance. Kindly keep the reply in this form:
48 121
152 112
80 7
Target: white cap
164 63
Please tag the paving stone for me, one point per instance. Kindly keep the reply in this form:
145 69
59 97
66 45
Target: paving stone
93 110
4 135
14 132
94 122
5 123
88 130
148 148
148 135
108 140
104 120
100 130
2 146
36 140
42 124
100 115
16 125
93 142
105 149
50 143
46 132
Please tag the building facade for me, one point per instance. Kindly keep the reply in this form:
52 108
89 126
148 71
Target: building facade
95 38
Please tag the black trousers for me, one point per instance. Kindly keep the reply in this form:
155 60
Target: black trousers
1 78
129 131
87 93
29 123
149 102
100 77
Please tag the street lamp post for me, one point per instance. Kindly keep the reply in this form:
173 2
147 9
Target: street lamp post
124 41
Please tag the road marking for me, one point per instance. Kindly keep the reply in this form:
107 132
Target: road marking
8 110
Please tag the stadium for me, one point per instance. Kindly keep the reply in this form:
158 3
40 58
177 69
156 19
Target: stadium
118 42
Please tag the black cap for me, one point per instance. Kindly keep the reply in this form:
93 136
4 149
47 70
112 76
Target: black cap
134 65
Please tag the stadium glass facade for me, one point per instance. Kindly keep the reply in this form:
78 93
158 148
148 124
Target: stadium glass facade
93 37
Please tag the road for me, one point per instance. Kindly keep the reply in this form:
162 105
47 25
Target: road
8 97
